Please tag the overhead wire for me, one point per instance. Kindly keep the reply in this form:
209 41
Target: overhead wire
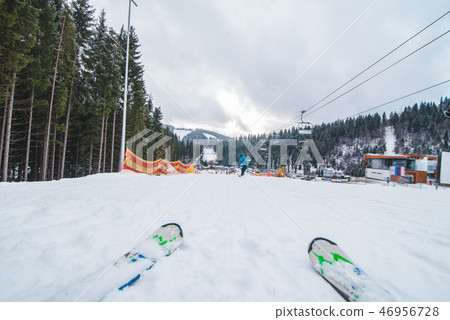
314 62
403 97
379 60
378 73
295 119
397 99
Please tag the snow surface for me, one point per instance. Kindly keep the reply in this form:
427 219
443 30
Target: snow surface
209 154
181 133
389 138
209 136
245 239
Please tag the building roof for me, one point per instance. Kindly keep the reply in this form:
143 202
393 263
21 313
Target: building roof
399 156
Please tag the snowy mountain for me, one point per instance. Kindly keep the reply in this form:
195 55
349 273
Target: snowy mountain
57 239
191 134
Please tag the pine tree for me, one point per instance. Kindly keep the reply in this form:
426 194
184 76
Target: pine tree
97 66
39 82
19 25
115 90
157 120
137 115
83 18
67 79
61 95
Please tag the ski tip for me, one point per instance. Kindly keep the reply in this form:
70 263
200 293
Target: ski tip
174 224
319 238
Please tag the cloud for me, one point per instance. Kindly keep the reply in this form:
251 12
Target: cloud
226 61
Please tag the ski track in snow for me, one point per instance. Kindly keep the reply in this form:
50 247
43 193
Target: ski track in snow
245 239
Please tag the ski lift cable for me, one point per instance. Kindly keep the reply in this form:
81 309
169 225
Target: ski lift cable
392 101
403 97
292 121
378 73
379 60
314 62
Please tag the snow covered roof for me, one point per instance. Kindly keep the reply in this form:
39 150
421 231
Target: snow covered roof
399 156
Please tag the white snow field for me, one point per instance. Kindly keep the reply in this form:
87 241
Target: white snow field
389 138
181 133
245 239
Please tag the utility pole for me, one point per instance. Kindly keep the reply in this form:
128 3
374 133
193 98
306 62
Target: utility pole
125 94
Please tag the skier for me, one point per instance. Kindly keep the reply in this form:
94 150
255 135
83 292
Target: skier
244 163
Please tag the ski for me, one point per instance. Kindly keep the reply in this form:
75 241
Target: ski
132 265
168 237
339 270
132 259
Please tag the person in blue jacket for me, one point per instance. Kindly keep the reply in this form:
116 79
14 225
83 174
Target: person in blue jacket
244 163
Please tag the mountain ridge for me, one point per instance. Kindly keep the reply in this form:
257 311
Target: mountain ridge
188 134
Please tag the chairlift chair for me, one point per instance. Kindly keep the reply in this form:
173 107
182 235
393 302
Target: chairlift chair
303 126
264 146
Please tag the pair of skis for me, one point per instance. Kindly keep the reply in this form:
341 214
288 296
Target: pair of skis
328 259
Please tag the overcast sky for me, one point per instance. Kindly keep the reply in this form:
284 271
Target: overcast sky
224 65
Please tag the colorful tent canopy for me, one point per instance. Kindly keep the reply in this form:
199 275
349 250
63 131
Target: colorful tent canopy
160 167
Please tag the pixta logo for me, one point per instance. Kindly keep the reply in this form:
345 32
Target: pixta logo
144 145
307 149
141 143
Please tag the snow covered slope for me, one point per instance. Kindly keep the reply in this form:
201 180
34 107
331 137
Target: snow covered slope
181 133
389 139
192 134
245 239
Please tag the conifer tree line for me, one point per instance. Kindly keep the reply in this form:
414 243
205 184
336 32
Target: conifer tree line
418 129
61 91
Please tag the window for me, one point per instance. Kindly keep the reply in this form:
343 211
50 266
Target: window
411 165
377 164
399 163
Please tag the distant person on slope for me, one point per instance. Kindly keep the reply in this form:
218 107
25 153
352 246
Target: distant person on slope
244 163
